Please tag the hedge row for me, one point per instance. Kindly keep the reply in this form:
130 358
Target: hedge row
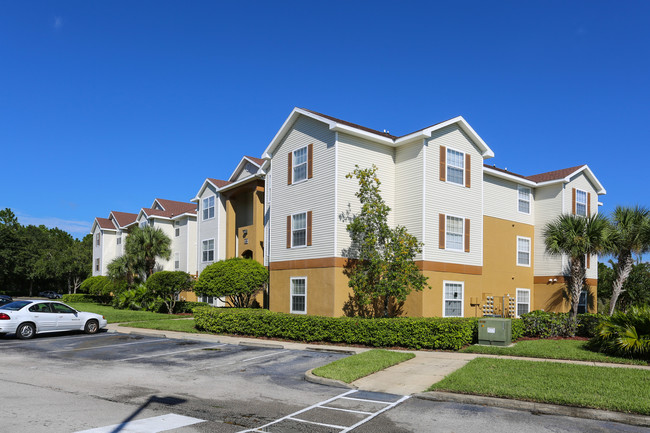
79 297
412 333
541 324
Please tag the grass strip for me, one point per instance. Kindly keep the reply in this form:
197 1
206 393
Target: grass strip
609 388
114 315
357 366
552 349
181 325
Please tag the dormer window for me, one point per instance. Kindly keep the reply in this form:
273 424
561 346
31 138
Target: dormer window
455 166
208 207
299 164
581 203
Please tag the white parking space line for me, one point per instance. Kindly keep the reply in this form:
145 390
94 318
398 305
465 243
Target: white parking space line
223 364
148 425
379 412
111 345
167 353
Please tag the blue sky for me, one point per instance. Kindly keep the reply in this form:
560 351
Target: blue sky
108 105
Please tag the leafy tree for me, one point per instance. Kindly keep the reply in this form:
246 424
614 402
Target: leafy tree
125 267
628 236
636 289
9 244
145 245
380 267
576 236
167 285
237 279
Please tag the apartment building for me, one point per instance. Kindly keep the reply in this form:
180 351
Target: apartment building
108 237
481 226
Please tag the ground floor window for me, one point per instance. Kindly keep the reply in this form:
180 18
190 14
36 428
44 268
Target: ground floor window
523 301
299 295
583 306
453 299
208 251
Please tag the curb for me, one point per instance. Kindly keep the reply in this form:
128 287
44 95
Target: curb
327 350
148 334
255 344
311 377
538 408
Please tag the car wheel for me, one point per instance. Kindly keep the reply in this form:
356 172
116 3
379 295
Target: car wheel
92 326
25 331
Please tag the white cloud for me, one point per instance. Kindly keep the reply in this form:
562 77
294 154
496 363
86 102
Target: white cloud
75 228
58 22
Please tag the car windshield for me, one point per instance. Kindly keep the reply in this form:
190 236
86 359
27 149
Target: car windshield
15 306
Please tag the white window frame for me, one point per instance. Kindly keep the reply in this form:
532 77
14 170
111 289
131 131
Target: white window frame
203 250
518 302
295 166
291 295
293 245
207 208
579 203
177 232
530 249
462 243
586 298
118 240
97 239
177 261
461 299
97 265
521 189
462 167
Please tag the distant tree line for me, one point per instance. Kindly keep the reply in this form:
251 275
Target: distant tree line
36 258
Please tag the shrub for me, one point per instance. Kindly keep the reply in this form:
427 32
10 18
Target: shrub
166 285
412 333
78 297
238 279
188 306
138 298
625 334
547 325
103 288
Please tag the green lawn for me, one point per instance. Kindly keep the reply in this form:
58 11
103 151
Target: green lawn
552 349
181 325
357 366
618 389
117 316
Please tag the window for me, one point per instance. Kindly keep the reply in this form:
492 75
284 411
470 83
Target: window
455 166
97 237
208 208
119 240
299 230
581 203
454 233
177 261
453 299
96 264
177 232
208 250
582 303
523 301
299 164
299 295
524 199
523 251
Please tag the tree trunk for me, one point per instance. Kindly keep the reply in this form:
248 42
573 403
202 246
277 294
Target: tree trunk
576 284
625 263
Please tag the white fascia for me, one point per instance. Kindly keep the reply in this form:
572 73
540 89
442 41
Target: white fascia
153 205
486 152
204 185
238 183
590 175
506 176
241 165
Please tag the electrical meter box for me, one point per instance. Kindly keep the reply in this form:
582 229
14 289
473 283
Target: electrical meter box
494 332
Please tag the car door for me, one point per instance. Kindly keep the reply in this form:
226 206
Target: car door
41 314
66 318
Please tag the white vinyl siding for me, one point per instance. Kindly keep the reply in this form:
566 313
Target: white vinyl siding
450 199
213 228
501 200
548 206
523 251
523 301
581 182
453 298
315 195
299 295
408 209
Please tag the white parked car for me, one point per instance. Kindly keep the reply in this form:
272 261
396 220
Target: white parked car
28 318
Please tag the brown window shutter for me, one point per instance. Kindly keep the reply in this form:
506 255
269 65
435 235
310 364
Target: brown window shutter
288 231
309 228
588 261
441 231
310 161
290 168
467 235
468 171
588 204
573 201
443 163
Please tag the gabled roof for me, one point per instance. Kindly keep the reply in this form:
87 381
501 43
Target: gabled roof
103 223
245 160
175 208
124 219
386 138
550 177
216 183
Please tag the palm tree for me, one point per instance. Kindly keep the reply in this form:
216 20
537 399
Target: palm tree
576 236
629 229
125 267
146 244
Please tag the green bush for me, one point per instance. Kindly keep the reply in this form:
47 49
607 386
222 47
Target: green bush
625 334
166 285
517 329
138 298
102 288
541 324
78 297
238 279
188 306
412 333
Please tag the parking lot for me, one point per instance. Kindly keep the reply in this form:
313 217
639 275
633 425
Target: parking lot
112 382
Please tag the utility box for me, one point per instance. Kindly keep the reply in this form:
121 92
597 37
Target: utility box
494 332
